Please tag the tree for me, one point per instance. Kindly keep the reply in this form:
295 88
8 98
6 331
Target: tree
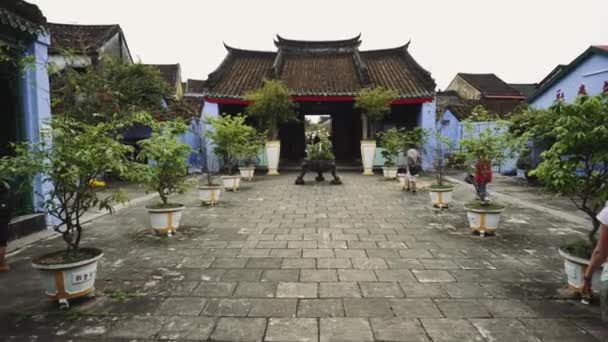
168 167
110 90
576 164
271 105
230 135
375 103
80 152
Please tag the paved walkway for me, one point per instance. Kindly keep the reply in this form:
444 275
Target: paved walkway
363 261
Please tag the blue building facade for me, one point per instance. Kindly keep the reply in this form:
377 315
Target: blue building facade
590 69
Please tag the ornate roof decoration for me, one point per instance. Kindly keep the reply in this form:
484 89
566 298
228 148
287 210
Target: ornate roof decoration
85 39
320 68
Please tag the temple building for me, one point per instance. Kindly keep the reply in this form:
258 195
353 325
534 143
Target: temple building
324 77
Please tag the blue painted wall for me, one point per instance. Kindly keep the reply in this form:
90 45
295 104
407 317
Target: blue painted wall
593 72
35 94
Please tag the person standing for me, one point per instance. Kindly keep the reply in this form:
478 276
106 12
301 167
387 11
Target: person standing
414 166
599 256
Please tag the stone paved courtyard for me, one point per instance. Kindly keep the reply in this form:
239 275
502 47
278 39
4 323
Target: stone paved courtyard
363 261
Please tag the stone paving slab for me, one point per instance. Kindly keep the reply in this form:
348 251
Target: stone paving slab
363 261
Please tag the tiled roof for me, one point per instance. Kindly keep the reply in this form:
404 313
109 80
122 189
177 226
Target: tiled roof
80 38
22 16
195 86
490 85
462 108
169 72
320 68
526 89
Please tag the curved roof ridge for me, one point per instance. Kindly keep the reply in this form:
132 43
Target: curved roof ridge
397 48
233 49
312 44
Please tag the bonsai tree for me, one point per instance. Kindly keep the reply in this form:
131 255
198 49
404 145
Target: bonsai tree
483 150
392 141
318 145
441 144
576 164
79 153
271 105
374 103
167 157
254 143
230 135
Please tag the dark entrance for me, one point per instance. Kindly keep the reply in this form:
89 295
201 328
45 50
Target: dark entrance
345 131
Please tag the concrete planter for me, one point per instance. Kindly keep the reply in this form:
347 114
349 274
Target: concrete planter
273 153
231 183
575 269
390 172
368 152
65 281
209 194
483 220
441 198
247 172
165 220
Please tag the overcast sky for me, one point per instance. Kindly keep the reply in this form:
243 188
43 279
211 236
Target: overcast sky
519 40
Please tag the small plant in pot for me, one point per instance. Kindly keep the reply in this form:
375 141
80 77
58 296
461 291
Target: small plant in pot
440 191
254 143
374 104
166 173
210 191
230 135
271 105
391 142
576 166
78 154
483 148
412 138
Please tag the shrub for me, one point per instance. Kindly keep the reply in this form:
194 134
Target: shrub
392 140
230 135
374 103
167 169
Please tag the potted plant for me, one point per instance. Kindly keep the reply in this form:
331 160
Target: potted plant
210 191
319 156
413 138
579 132
440 191
374 104
166 173
390 141
271 105
254 142
80 152
482 150
230 135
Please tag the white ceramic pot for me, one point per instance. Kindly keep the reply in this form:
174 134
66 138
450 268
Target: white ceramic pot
62 282
273 152
483 220
165 220
231 183
368 151
576 267
209 194
402 179
247 172
390 172
441 198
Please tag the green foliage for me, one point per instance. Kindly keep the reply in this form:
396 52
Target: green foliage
254 143
456 160
576 164
271 105
392 140
441 145
375 103
14 57
231 136
111 90
79 154
492 144
318 145
579 248
480 114
414 138
167 170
